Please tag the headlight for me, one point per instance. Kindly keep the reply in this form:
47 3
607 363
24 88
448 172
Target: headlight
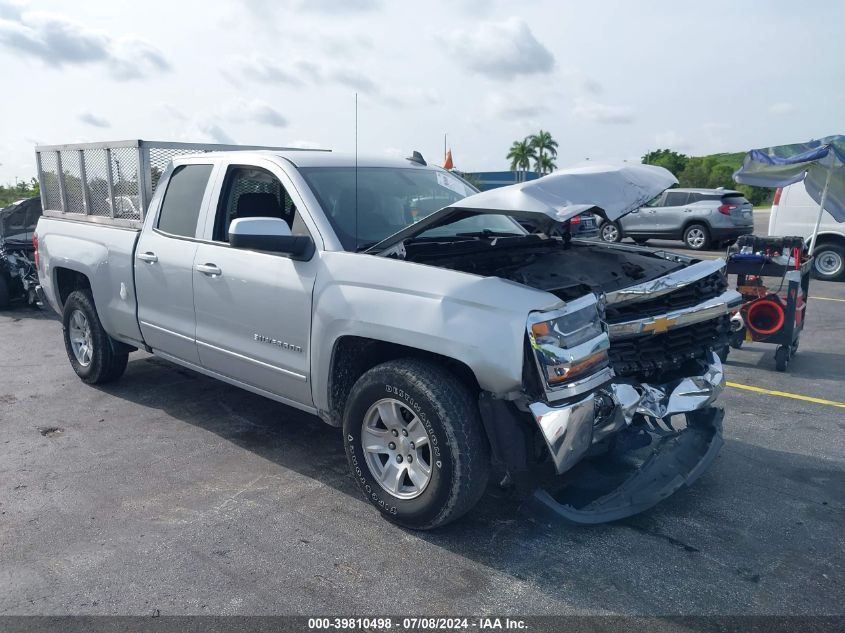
570 343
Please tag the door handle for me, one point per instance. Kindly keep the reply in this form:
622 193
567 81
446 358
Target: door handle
149 257
209 269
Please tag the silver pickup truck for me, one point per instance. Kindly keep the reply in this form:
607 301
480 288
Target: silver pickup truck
390 298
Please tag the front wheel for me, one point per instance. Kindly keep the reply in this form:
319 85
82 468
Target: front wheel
829 262
697 237
415 444
94 356
610 232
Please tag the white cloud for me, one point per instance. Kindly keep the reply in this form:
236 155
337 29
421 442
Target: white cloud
784 107
89 118
298 72
254 111
602 112
172 111
500 50
511 106
355 80
60 41
671 140
259 68
303 144
335 7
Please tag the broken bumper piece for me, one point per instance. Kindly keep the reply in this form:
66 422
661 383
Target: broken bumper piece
679 458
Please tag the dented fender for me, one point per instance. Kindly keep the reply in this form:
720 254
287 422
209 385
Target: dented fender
479 321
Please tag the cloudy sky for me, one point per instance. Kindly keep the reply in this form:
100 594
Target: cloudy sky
609 79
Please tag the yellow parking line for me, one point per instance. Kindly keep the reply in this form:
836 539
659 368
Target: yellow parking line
828 299
784 394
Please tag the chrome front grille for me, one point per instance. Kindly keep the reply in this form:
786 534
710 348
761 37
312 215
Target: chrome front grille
650 355
684 297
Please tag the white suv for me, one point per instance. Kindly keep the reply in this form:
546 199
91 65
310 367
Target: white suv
794 212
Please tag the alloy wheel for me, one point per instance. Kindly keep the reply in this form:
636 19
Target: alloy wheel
397 448
79 331
696 238
609 232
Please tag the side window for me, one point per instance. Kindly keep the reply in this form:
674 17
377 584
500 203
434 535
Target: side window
17 220
654 202
252 192
676 198
180 208
695 197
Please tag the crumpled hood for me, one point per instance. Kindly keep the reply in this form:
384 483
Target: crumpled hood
608 190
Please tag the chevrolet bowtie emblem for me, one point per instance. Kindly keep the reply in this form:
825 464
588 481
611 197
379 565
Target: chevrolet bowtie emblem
660 325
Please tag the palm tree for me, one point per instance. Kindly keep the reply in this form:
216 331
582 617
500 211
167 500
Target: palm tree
520 155
542 142
545 164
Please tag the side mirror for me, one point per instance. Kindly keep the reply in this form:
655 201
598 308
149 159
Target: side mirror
271 235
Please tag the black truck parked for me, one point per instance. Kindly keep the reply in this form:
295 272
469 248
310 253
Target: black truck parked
18 274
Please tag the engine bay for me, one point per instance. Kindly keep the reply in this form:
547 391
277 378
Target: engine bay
567 269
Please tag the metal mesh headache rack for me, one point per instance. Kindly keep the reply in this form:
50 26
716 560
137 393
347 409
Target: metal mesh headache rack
113 181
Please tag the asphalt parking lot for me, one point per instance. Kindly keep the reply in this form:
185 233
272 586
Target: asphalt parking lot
171 493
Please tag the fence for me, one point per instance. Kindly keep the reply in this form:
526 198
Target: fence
110 182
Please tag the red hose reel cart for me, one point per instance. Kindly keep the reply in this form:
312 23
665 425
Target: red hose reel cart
772 313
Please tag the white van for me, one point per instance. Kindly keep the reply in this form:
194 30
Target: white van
794 212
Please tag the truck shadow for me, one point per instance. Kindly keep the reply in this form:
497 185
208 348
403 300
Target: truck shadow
805 364
19 311
743 531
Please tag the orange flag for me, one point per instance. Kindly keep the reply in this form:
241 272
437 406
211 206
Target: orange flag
448 164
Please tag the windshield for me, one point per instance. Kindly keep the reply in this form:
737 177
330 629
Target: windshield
391 198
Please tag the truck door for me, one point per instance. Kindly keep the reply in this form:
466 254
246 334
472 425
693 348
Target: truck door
164 262
254 309
639 221
669 219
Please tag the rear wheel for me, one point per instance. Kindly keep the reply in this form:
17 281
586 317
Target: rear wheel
829 264
610 232
697 237
415 444
94 356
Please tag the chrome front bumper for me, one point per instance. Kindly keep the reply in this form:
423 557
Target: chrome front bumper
570 429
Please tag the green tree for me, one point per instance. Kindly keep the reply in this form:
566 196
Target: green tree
21 189
710 172
545 164
543 144
671 160
520 155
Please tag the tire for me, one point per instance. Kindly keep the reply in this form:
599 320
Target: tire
432 405
697 237
781 358
102 359
4 291
829 263
611 232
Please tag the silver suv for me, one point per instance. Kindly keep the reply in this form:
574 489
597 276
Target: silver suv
700 217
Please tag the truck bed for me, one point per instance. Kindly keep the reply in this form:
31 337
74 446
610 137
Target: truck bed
105 255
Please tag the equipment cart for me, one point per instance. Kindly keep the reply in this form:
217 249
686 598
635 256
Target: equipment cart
771 314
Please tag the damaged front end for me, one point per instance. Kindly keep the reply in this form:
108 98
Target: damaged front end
625 409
